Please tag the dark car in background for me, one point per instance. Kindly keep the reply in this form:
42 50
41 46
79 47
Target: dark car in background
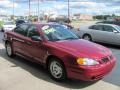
63 21
109 22
18 22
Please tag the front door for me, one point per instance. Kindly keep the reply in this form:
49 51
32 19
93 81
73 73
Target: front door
36 49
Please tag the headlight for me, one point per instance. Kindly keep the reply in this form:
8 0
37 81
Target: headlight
87 61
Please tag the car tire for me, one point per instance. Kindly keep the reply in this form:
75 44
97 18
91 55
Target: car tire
2 30
87 37
9 50
56 70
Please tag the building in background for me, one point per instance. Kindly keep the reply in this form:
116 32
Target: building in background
82 17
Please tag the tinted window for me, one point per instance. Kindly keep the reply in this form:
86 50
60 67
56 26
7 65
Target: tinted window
19 22
22 29
32 31
96 27
108 28
91 27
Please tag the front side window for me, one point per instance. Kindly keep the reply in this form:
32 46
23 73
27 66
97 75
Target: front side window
21 29
108 28
57 32
32 31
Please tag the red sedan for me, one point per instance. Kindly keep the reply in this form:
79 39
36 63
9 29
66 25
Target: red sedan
60 51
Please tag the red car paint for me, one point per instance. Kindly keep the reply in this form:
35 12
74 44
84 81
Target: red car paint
68 51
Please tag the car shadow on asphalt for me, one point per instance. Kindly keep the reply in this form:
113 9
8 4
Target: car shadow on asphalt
41 73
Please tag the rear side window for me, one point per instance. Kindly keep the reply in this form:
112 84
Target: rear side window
91 27
21 29
32 31
96 27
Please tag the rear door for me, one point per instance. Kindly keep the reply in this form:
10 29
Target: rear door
97 33
36 49
19 38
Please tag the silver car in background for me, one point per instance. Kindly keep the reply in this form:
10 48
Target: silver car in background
105 33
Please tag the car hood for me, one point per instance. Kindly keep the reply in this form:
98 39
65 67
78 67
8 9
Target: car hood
83 48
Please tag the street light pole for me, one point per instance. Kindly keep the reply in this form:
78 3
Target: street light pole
13 9
68 10
29 9
38 10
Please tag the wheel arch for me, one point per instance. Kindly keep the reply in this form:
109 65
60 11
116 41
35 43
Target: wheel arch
53 56
7 41
91 38
86 34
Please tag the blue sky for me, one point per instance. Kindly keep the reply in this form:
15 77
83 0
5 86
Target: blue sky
60 6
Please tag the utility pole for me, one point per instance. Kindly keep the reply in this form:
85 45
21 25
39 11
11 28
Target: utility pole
29 10
68 10
38 10
13 10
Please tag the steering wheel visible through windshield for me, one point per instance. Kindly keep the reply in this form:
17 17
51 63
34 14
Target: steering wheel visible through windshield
58 32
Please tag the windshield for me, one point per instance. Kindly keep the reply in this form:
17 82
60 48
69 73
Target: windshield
58 32
118 27
9 23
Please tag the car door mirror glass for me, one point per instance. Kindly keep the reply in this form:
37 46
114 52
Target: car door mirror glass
36 38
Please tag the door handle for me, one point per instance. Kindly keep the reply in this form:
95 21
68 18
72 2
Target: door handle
19 40
28 43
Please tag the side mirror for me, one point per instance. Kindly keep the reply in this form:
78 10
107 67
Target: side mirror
115 31
36 38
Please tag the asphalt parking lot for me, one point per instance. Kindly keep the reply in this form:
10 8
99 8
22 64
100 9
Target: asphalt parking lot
19 74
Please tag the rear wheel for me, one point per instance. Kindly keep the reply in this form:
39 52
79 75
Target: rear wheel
87 37
2 30
56 69
9 49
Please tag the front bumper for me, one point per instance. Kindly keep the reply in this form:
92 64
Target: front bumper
91 73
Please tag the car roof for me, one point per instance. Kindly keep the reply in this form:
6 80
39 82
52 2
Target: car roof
41 24
106 24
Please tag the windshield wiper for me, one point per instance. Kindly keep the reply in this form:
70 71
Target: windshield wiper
56 40
70 38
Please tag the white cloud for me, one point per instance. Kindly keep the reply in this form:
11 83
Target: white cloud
60 7
87 4
7 4
3 11
88 7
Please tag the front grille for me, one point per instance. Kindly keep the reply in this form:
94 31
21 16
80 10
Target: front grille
106 59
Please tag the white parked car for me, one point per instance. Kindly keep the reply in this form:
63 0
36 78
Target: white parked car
8 26
105 33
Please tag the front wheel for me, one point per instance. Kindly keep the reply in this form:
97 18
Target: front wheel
9 49
56 69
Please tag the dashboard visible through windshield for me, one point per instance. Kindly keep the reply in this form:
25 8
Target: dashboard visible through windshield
58 32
